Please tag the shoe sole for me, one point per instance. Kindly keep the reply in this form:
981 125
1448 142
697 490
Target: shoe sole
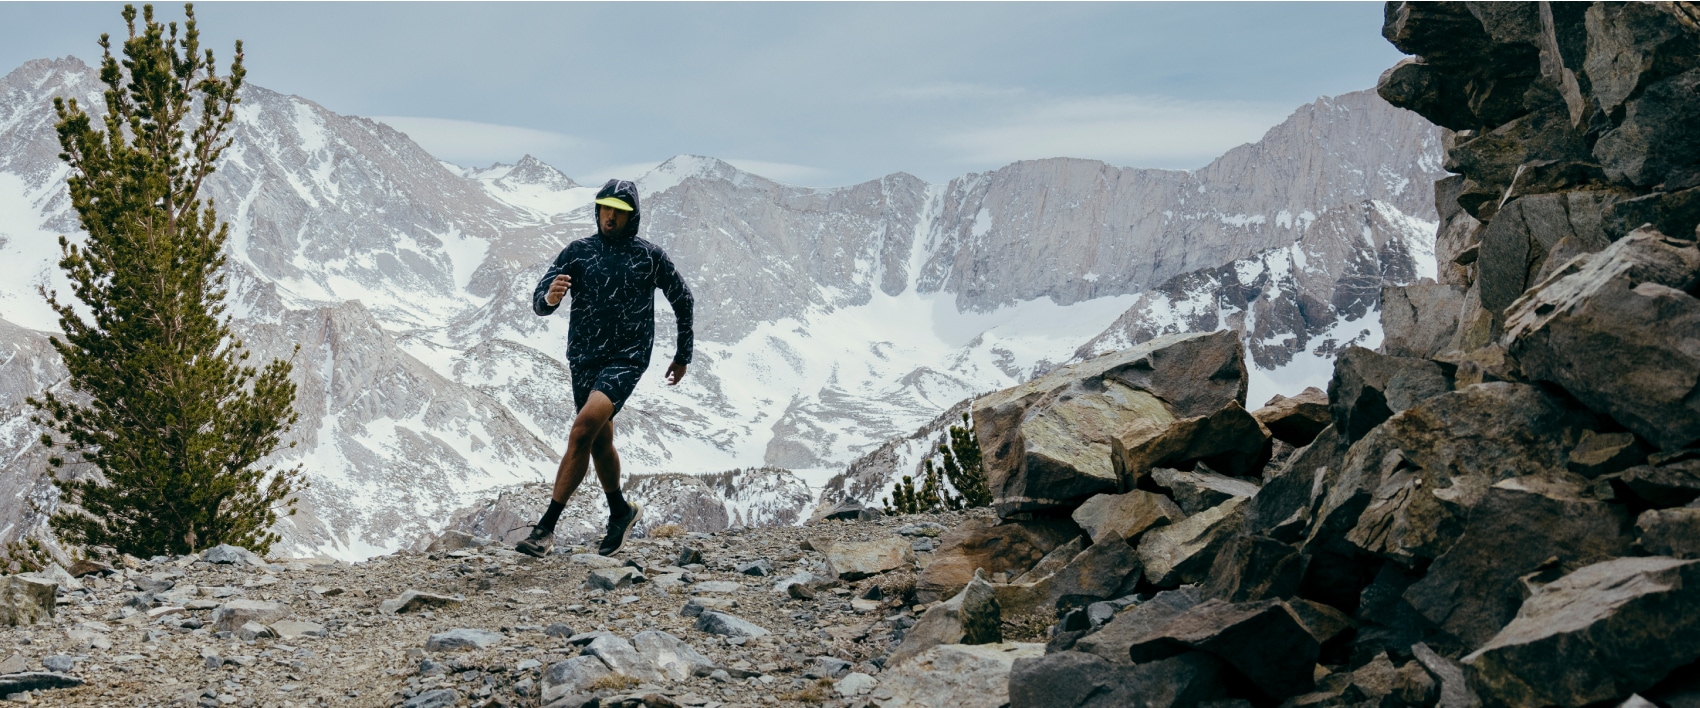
637 515
533 551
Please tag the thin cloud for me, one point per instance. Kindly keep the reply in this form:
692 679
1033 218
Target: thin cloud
785 172
470 143
1141 131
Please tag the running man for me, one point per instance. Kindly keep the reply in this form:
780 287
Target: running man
612 277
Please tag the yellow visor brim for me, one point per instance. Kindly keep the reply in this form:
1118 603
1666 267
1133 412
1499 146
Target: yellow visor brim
614 203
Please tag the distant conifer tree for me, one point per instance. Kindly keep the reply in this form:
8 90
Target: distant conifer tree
959 464
159 400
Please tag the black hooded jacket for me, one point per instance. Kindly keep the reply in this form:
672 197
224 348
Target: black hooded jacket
613 292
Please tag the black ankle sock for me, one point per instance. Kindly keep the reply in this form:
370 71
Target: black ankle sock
551 516
617 506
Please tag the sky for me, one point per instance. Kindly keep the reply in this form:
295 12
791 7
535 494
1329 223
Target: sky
813 94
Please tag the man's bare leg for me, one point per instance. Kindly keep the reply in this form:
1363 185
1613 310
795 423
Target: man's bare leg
592 435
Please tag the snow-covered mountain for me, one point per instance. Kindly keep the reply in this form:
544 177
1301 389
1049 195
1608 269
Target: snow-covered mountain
830 321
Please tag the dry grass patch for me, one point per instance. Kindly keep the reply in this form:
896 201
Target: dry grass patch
612 682
818 692
667 531
1028 627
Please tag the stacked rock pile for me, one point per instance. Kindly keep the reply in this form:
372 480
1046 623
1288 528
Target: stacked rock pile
1498 507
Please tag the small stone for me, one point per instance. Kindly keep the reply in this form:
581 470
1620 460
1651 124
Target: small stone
596 561
572 676
289 629
415 601
59 663
854 561
558 630
254 630
611 578
854 684
231 615
25 600
462 638
728 625
828 667
800 591
439 698
227 554
13 664
717 586
757 567
452 540
11 684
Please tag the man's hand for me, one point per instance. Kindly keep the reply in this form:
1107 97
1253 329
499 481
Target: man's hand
675 372
558 289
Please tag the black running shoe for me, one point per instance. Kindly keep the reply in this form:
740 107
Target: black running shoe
619 529
538 543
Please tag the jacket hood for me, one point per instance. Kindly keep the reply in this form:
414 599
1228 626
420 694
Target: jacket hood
626 191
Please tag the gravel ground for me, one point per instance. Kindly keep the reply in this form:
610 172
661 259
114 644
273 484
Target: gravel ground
369 657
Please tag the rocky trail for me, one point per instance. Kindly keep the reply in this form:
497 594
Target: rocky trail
1498 507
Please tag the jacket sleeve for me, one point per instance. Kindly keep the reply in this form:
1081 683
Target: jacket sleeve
539 295
679 296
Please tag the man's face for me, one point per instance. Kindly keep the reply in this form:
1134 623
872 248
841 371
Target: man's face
610 219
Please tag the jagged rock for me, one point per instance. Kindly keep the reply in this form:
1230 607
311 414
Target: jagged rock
855 684
36 681
250 631
760 568
1623 310
1323 622
1457 444
1197 490
414 601
1520 526
1284 505
829 667
26 600
572 676
1657 132
1261 640
154 585
1183 552
227 554
669 654
688 555
971 617
1663 486
1368 388
462 638
1601 632
1675 213
454 540
1074 679
1670 532
233 614
1046 443
1229 440
88 566
1604 453
807 580
622 658
595 561
1011 548
1054 561
1418 320
727 625
611 578
847 510
290 629
439 698
1112 641
954 676
1296 420
697 605
1101 571
1253 568
56 574
1454 687
1522 237
1128 515
854 561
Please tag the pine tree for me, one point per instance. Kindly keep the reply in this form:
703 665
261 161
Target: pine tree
962 465
163 403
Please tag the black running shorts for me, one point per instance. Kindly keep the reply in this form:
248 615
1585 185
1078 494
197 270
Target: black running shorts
615 379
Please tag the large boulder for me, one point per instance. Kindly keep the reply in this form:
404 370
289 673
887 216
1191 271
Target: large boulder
231 615
1417 320
1073 679
1296 420
1457 444
954 676
623 658
1368 388
1127 515
851 560
1183 552
26 600
1670 532
1229 440
1011 547
1615 331
1253 568
1111 642
1197 490
575 675
1597 634
669 654
1102 571
1282 508
1657 136
972 617
1046 443
1263 641
1521 525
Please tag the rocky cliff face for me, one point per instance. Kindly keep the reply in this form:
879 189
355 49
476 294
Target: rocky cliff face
1488 510
830 320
